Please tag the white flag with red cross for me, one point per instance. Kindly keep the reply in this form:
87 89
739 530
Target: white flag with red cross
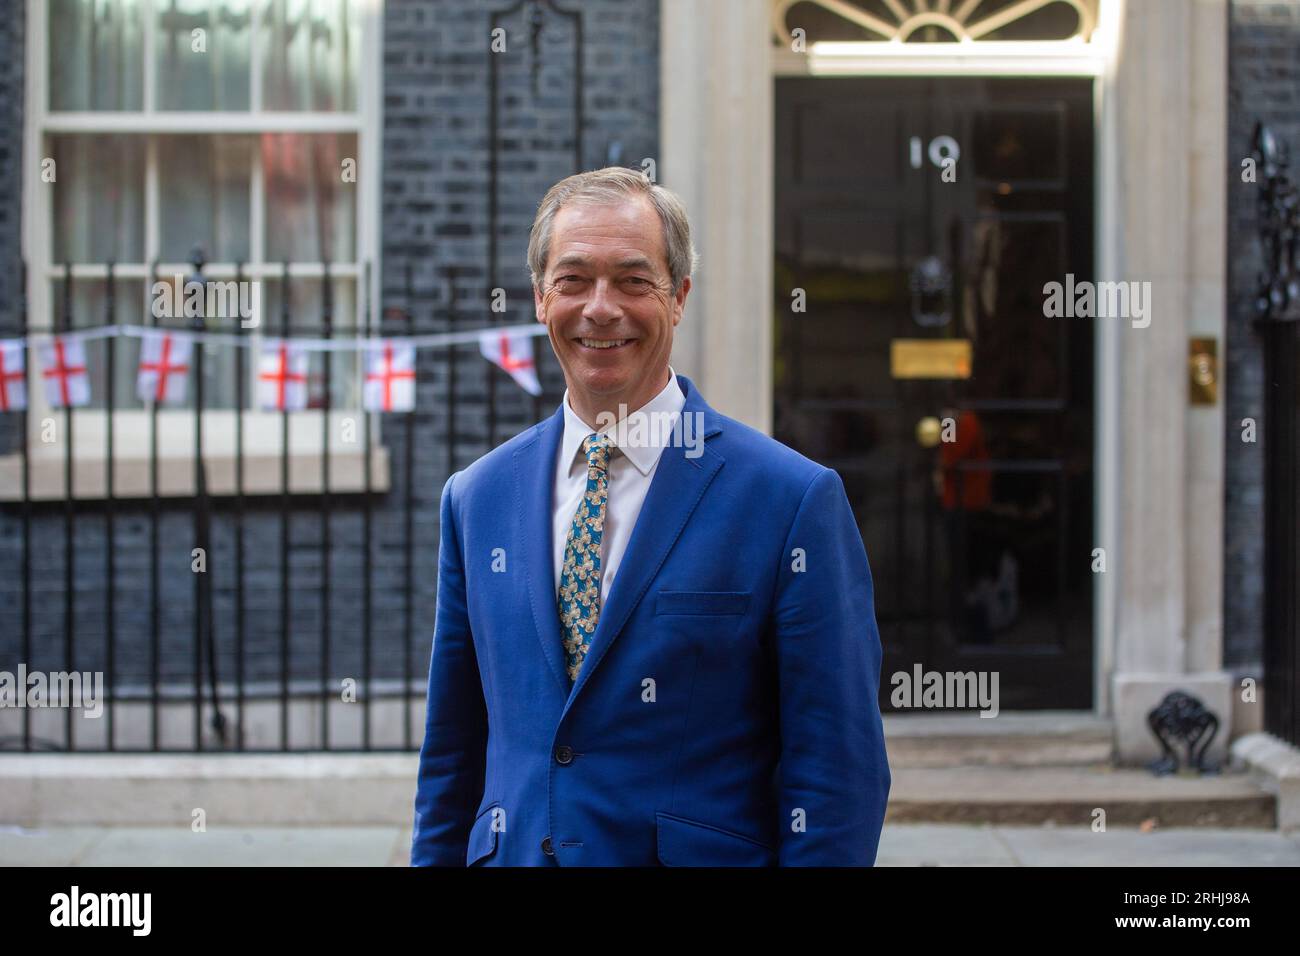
282 379
63 366
513 352
13 375
390 379
164 367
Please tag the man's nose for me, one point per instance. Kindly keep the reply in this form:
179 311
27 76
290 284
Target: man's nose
601 306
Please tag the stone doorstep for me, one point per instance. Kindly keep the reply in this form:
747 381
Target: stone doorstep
1274 765
1070 796
1012 739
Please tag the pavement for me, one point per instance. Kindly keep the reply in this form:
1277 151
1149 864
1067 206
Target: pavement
921 844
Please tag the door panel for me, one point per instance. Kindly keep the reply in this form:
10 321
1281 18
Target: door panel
980 545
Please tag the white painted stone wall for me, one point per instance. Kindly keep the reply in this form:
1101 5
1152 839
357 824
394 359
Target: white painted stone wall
1169 101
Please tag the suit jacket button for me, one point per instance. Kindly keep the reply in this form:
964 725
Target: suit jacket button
546 847
564 754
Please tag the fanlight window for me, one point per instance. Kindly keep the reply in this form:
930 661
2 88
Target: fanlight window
933 21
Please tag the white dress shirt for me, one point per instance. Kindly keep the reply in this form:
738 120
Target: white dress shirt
631 469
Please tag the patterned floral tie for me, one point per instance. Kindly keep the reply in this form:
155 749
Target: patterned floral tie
579 595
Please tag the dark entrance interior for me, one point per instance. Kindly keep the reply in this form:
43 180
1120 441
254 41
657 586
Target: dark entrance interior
923 369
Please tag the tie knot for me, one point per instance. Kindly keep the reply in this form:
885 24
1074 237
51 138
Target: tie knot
597 448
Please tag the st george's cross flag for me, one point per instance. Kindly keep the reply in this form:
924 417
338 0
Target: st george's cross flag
390 379
282 378
13 375
513 352
63 367
164 367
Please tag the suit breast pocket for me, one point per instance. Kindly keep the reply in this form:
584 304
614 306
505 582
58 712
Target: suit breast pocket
710 603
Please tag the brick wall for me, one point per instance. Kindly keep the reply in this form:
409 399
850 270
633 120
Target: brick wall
1264 84
11 193
438 185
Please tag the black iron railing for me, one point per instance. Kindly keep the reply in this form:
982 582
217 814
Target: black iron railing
305 588
308 626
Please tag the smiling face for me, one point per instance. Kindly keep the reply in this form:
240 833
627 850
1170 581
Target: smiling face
608 304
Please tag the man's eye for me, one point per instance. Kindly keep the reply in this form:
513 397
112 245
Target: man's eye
638 280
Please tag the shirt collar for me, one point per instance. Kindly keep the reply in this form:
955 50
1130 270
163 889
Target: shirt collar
656 428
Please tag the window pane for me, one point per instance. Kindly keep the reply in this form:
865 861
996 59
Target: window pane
219 371
98 198
311 53
310 210
89 308
225 303
96 55
306 307
207 70
203 184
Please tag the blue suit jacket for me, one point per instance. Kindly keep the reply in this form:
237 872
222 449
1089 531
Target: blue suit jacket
726 713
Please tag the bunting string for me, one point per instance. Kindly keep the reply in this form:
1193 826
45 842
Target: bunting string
164 367
307 343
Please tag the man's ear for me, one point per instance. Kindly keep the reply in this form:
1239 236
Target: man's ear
680 299
537 303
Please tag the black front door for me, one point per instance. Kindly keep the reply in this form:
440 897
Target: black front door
917 222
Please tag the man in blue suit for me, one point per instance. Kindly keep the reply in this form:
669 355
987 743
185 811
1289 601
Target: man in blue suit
655 639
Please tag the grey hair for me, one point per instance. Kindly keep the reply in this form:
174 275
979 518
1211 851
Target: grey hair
609 186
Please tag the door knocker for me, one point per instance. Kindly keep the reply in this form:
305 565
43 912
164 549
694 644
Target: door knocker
931 286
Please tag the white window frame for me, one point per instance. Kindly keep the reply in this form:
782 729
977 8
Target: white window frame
132 428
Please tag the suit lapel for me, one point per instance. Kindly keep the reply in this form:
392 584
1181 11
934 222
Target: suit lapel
679 484
534 476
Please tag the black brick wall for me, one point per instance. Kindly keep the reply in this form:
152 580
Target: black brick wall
11 192
437 181
1264 84
435 195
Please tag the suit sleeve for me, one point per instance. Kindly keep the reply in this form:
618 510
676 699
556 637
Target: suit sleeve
833 764
450 783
